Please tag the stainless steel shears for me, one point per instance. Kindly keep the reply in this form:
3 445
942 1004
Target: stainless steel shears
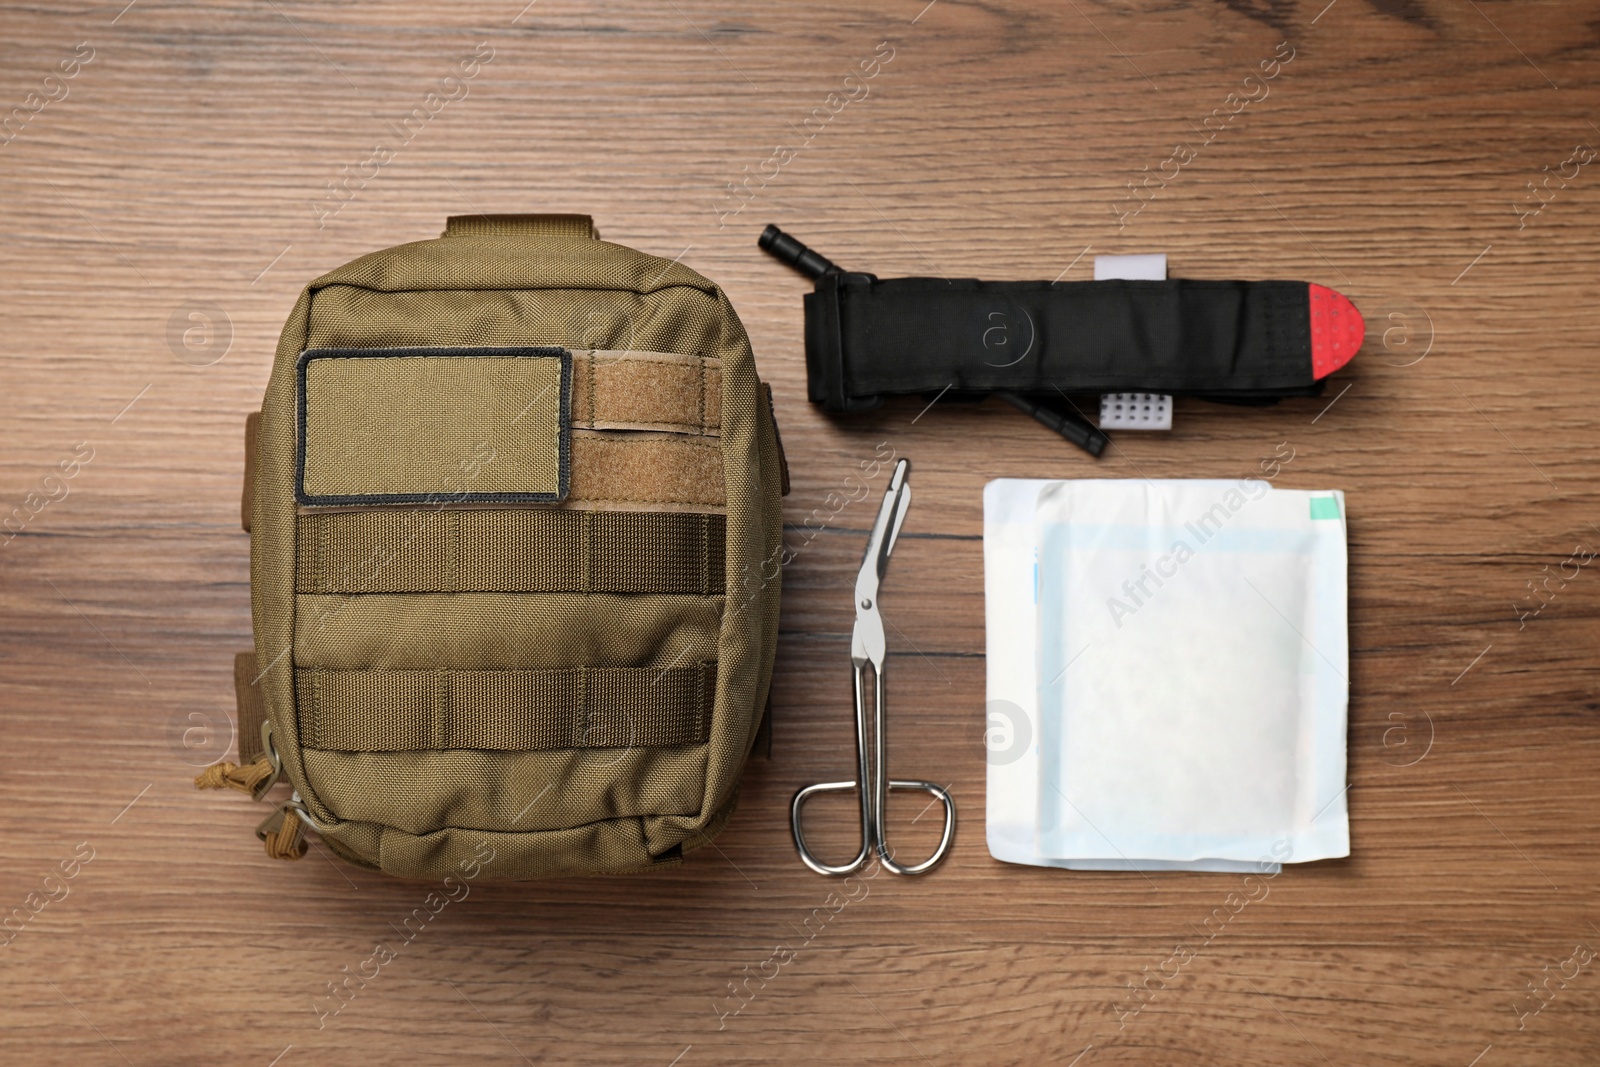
868 647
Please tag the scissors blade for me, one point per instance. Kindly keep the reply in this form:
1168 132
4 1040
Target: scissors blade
885 530
867 640
902 505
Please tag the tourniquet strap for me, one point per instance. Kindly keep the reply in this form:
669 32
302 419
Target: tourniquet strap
868 338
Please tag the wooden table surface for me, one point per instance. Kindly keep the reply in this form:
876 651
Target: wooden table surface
164 203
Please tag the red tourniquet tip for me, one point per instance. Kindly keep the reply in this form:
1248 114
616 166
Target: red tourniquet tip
1336 331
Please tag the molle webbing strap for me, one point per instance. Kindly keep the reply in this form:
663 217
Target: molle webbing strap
512 550
247 498
505 710
520 226
868 338
251 707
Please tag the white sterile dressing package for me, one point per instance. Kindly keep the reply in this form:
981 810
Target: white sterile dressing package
1167 673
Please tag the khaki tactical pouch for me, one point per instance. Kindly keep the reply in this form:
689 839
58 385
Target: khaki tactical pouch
514 501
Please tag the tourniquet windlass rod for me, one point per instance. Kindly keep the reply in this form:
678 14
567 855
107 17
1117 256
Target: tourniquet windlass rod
1069 424
788 250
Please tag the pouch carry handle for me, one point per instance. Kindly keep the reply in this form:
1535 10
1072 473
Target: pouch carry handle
580 226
